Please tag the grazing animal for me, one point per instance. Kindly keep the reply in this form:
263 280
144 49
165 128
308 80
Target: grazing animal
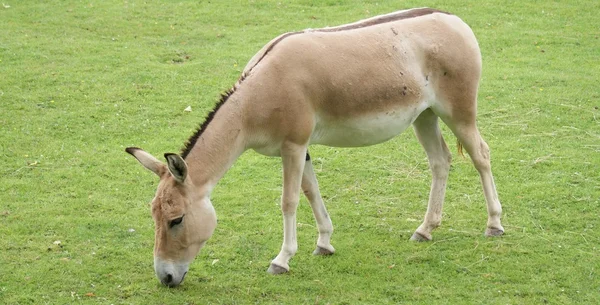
353 85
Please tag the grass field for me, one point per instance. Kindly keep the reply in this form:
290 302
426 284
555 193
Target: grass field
82 80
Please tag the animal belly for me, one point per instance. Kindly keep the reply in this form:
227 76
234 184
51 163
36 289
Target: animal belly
365 130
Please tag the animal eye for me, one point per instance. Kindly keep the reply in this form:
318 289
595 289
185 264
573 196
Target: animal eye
175 222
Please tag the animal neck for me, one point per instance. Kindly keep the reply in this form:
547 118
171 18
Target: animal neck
220 143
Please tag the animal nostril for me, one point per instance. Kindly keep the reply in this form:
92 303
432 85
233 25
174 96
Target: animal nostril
169 278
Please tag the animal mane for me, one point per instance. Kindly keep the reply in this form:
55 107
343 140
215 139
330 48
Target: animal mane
191 142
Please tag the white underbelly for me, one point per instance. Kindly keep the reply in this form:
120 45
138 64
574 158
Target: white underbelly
366 130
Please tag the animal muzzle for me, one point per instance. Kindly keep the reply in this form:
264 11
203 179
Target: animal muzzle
170 273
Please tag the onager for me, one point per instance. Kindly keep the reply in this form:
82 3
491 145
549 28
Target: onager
348 86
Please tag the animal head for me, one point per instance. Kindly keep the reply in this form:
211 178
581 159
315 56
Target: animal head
184 217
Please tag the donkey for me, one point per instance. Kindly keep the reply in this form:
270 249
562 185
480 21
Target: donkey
347 86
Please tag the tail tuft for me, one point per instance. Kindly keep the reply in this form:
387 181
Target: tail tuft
459 147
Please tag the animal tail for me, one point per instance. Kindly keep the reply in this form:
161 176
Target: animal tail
459 147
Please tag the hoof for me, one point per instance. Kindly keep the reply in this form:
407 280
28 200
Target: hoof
276 269
323 251
491 232
419 237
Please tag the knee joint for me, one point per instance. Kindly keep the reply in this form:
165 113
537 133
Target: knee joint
308 191
441 165
288 208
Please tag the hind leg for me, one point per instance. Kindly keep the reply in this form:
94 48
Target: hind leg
456 104
310 187
428 132
479 151
462 103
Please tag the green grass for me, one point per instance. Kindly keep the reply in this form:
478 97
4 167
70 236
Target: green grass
81 80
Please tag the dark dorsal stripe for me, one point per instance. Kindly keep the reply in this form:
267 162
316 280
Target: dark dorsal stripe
375 21
370 22
384 19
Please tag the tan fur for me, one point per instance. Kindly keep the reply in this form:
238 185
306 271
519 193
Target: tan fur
352 85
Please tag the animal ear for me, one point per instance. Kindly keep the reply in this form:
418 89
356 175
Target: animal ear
147 160
177 166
